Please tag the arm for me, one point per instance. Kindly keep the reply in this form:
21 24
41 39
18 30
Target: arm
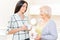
12 28
13 31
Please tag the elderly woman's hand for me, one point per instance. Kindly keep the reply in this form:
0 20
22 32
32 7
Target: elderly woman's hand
38 37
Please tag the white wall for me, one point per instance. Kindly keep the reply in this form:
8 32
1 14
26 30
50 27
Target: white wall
54 4
6 9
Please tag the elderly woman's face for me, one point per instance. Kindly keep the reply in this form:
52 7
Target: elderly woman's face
43 16
45 12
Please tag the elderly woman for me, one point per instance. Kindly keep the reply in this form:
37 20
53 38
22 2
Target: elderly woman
49 31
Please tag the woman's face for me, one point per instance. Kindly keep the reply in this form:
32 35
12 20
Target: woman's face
23 8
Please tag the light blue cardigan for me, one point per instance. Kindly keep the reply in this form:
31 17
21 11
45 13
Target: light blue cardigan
49 32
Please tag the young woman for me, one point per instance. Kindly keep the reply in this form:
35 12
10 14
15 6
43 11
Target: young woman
49 31
18 25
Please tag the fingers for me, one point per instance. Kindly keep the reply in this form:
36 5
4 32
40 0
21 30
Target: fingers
37 37
24 27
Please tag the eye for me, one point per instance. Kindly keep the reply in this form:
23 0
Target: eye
41 11
23 6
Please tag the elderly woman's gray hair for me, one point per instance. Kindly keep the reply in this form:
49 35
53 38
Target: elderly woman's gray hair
46 10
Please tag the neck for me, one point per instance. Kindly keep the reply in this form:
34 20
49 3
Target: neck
21 15
46 19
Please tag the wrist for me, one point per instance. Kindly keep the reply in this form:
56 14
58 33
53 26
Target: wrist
19 29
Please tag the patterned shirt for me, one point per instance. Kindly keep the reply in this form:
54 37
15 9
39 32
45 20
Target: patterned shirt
16 22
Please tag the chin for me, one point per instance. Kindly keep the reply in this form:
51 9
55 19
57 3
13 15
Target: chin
23 12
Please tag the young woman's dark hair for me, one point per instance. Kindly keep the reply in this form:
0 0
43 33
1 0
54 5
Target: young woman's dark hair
19 5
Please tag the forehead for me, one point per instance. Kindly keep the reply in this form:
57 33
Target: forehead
24 4
45 8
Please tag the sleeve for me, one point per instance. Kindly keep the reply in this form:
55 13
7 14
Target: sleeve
10 25
52 35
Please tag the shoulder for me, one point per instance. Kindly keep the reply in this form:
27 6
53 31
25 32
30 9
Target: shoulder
12 17
52 22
